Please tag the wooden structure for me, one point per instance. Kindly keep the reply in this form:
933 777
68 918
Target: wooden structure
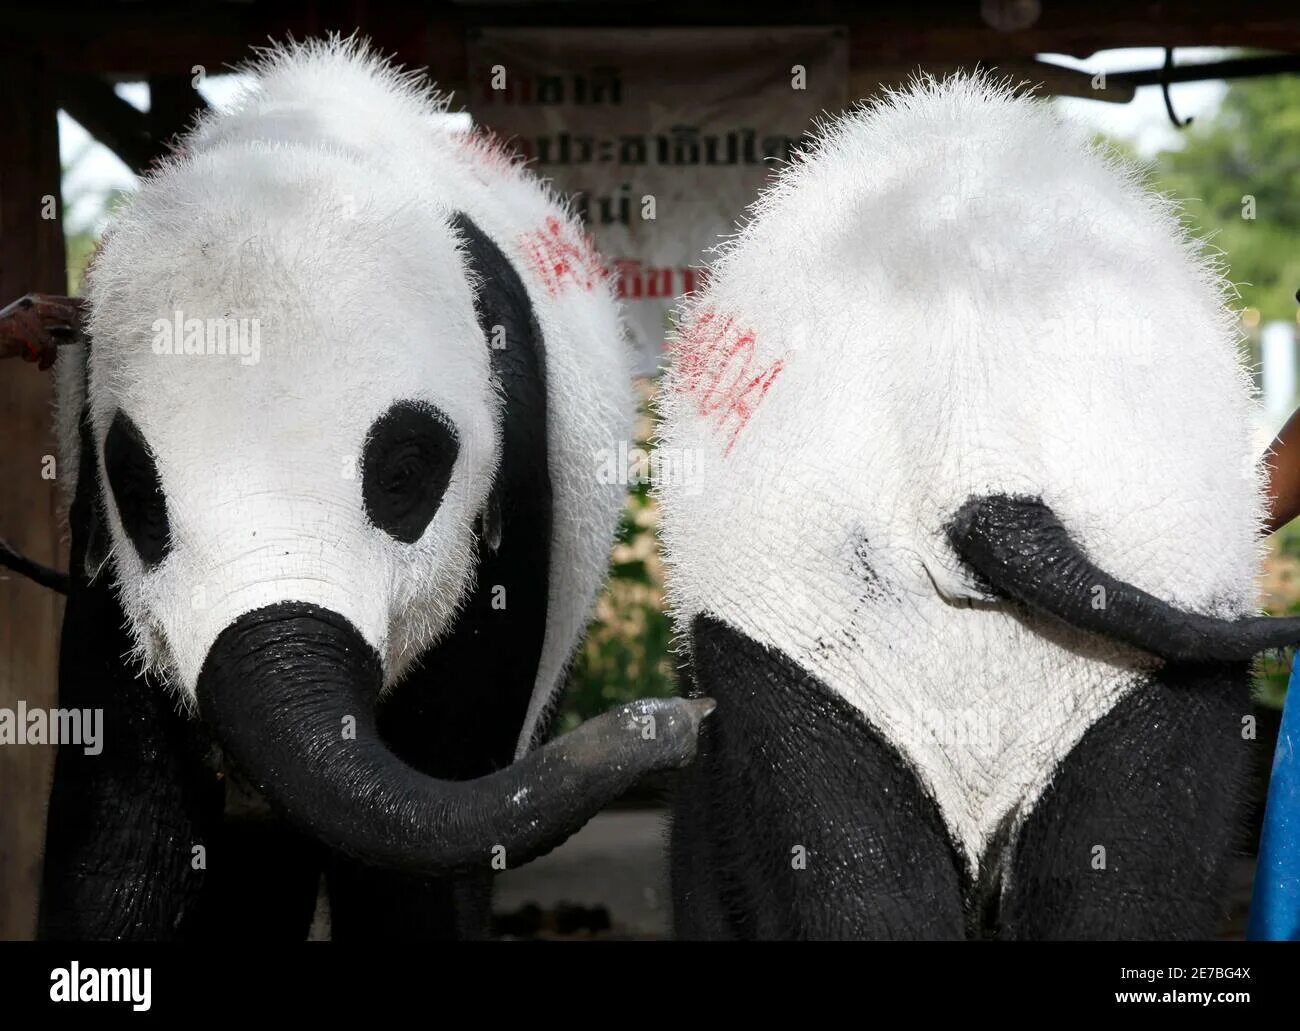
69 57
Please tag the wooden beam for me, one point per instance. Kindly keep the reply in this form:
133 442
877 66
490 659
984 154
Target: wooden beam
147 38
956 32
174 103
1057 81
31 258
138 138
1237 68
111 120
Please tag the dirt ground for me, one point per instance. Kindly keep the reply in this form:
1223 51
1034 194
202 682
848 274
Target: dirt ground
618 863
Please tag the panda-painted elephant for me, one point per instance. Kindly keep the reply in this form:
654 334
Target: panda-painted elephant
970 563
335 527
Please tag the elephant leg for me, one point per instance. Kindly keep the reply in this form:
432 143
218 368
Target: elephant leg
1133 836
799 820
449 734
127 835
128 827
263 880
698 910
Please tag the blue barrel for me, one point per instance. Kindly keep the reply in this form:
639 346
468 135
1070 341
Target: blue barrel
1275 907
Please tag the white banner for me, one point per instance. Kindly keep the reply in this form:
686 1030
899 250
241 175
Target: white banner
662 136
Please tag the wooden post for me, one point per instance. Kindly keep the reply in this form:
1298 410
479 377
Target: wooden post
31 258
173 104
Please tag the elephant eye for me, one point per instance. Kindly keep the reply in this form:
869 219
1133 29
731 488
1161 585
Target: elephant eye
405 468
137 490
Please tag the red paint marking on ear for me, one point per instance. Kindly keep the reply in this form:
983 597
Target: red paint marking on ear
562 257
714 361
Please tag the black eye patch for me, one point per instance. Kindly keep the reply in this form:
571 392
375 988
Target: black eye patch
133 479
405 468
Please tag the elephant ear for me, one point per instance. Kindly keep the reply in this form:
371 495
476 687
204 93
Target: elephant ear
460 712
79 480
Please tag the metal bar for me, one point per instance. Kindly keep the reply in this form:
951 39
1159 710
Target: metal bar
1235 68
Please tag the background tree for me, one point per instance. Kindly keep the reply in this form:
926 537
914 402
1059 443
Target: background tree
1239 175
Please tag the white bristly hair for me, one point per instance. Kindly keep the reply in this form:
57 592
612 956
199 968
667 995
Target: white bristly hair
952 294
320 206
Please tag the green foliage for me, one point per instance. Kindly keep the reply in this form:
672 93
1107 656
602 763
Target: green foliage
80 245
1248 155
79 249
1250 148
627 653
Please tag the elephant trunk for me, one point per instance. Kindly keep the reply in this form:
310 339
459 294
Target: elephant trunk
1020 549
290 692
